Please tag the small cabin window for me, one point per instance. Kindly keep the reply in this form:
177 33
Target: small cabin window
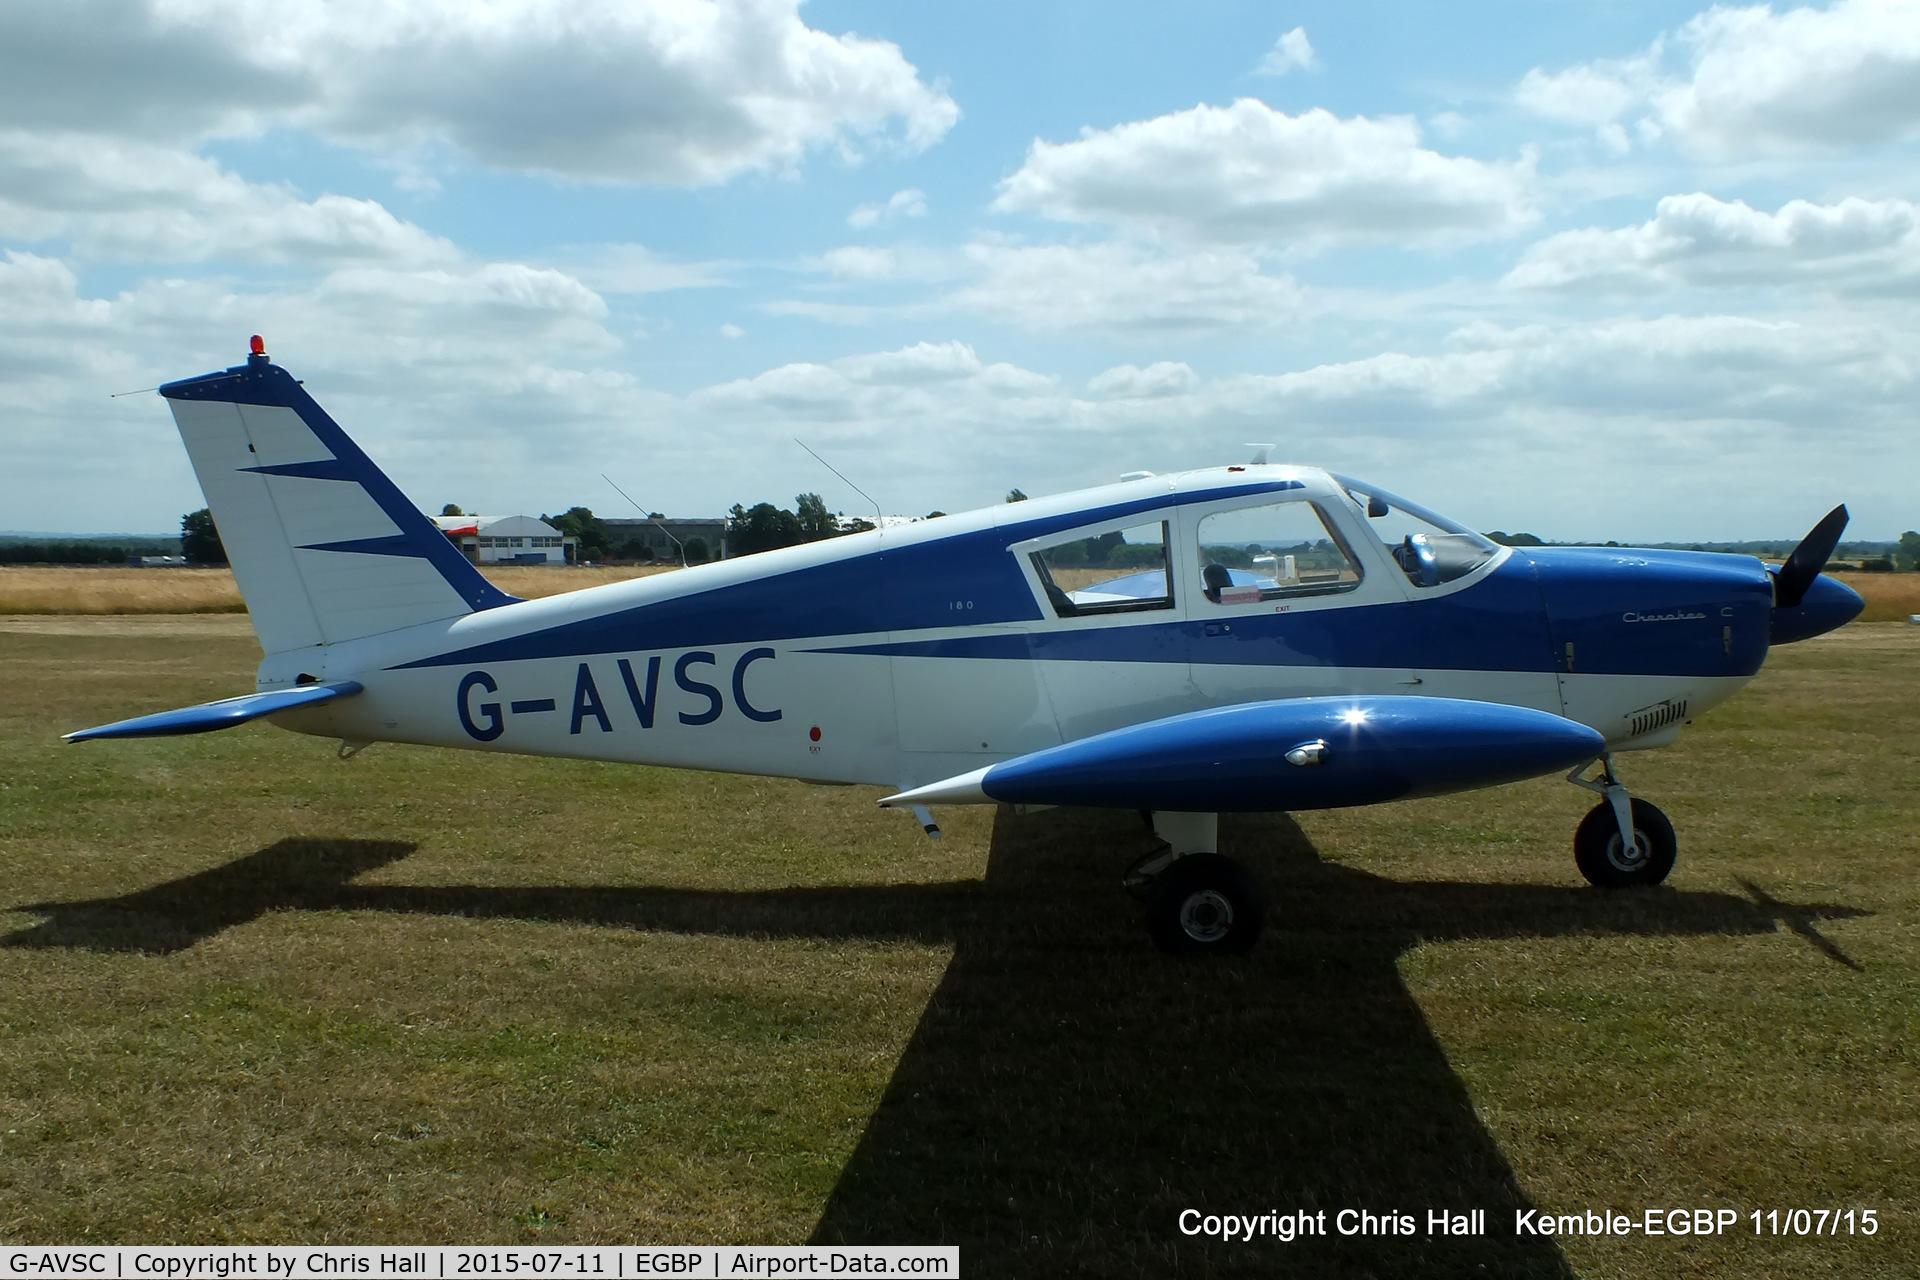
1115 571
1429 548
1282 549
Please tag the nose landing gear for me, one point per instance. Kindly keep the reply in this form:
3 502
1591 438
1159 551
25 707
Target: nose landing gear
1623 842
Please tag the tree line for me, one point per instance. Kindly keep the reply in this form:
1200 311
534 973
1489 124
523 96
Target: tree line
199 542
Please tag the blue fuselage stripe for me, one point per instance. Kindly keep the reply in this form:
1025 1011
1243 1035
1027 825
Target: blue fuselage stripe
1683 614
889 589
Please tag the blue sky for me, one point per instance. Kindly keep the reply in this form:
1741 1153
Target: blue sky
1639 271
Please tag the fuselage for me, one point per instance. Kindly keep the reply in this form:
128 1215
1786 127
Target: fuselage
909 654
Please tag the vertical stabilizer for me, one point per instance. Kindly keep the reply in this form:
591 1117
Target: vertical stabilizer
325 547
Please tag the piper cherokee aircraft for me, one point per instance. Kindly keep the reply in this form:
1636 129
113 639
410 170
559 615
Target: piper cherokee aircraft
1232 639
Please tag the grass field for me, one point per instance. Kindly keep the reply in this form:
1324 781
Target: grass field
252 992
60 589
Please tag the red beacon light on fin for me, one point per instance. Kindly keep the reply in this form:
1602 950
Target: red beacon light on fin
257 344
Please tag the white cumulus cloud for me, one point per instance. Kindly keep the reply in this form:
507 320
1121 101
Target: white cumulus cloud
1595 94
1846 74
1131 382
1247 174
1758 82
127 199
463 381
911 203
1290 52
1127 288
859 262
1698 240
679 92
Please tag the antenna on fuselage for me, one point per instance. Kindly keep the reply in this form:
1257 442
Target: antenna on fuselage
878 518
649 516
1260 452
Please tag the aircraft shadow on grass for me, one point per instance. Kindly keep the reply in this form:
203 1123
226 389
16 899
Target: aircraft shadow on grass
1069 1091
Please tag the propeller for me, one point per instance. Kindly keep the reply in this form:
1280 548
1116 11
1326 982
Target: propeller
1808 559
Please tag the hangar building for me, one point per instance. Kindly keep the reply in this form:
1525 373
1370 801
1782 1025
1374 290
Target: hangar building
509 539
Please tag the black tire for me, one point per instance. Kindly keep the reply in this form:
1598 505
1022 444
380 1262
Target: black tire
1597 847
1205 905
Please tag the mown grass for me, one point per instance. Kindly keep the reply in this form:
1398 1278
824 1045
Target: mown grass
252 992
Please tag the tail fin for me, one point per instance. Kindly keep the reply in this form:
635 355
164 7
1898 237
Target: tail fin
323 545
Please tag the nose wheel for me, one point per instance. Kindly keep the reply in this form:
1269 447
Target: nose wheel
1623 842
1608 861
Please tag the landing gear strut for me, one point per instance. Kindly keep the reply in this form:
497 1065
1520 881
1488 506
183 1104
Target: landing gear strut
1198 902
1623 842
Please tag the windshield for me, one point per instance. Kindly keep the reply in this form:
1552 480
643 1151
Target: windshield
1430 548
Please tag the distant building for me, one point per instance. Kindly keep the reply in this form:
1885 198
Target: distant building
156 562
654 537
509 539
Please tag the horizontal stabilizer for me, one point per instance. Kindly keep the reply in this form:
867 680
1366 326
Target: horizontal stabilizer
1296 753
224 714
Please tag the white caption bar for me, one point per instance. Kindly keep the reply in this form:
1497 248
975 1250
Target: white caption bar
291 1262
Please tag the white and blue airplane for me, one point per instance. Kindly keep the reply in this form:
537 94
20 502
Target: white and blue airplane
1232 639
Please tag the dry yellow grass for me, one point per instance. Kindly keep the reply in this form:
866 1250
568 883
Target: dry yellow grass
1890 597
533 584
74 589
68 589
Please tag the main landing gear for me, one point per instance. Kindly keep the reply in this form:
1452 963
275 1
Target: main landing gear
1622 842
1198 902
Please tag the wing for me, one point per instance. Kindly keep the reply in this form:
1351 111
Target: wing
1296 753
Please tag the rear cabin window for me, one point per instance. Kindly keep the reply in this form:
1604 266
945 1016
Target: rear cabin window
1265 553
1118 571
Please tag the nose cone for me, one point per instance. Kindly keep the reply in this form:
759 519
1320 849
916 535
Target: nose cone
1829 603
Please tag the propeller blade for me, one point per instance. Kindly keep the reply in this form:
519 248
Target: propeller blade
1808 559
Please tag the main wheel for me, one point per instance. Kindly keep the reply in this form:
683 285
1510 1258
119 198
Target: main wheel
1205 904
1603 857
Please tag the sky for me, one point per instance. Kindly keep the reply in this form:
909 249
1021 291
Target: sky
1642 271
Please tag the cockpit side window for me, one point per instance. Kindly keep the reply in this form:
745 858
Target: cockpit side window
1269 552
1114 571
1429 548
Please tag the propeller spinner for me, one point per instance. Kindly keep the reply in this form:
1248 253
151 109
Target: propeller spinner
1804 602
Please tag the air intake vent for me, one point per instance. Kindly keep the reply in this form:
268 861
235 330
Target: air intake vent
1658 716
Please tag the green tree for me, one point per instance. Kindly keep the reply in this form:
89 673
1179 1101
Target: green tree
451 510
815 520
200 538
581 523
696 549
1909 551
761 527
1014 495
